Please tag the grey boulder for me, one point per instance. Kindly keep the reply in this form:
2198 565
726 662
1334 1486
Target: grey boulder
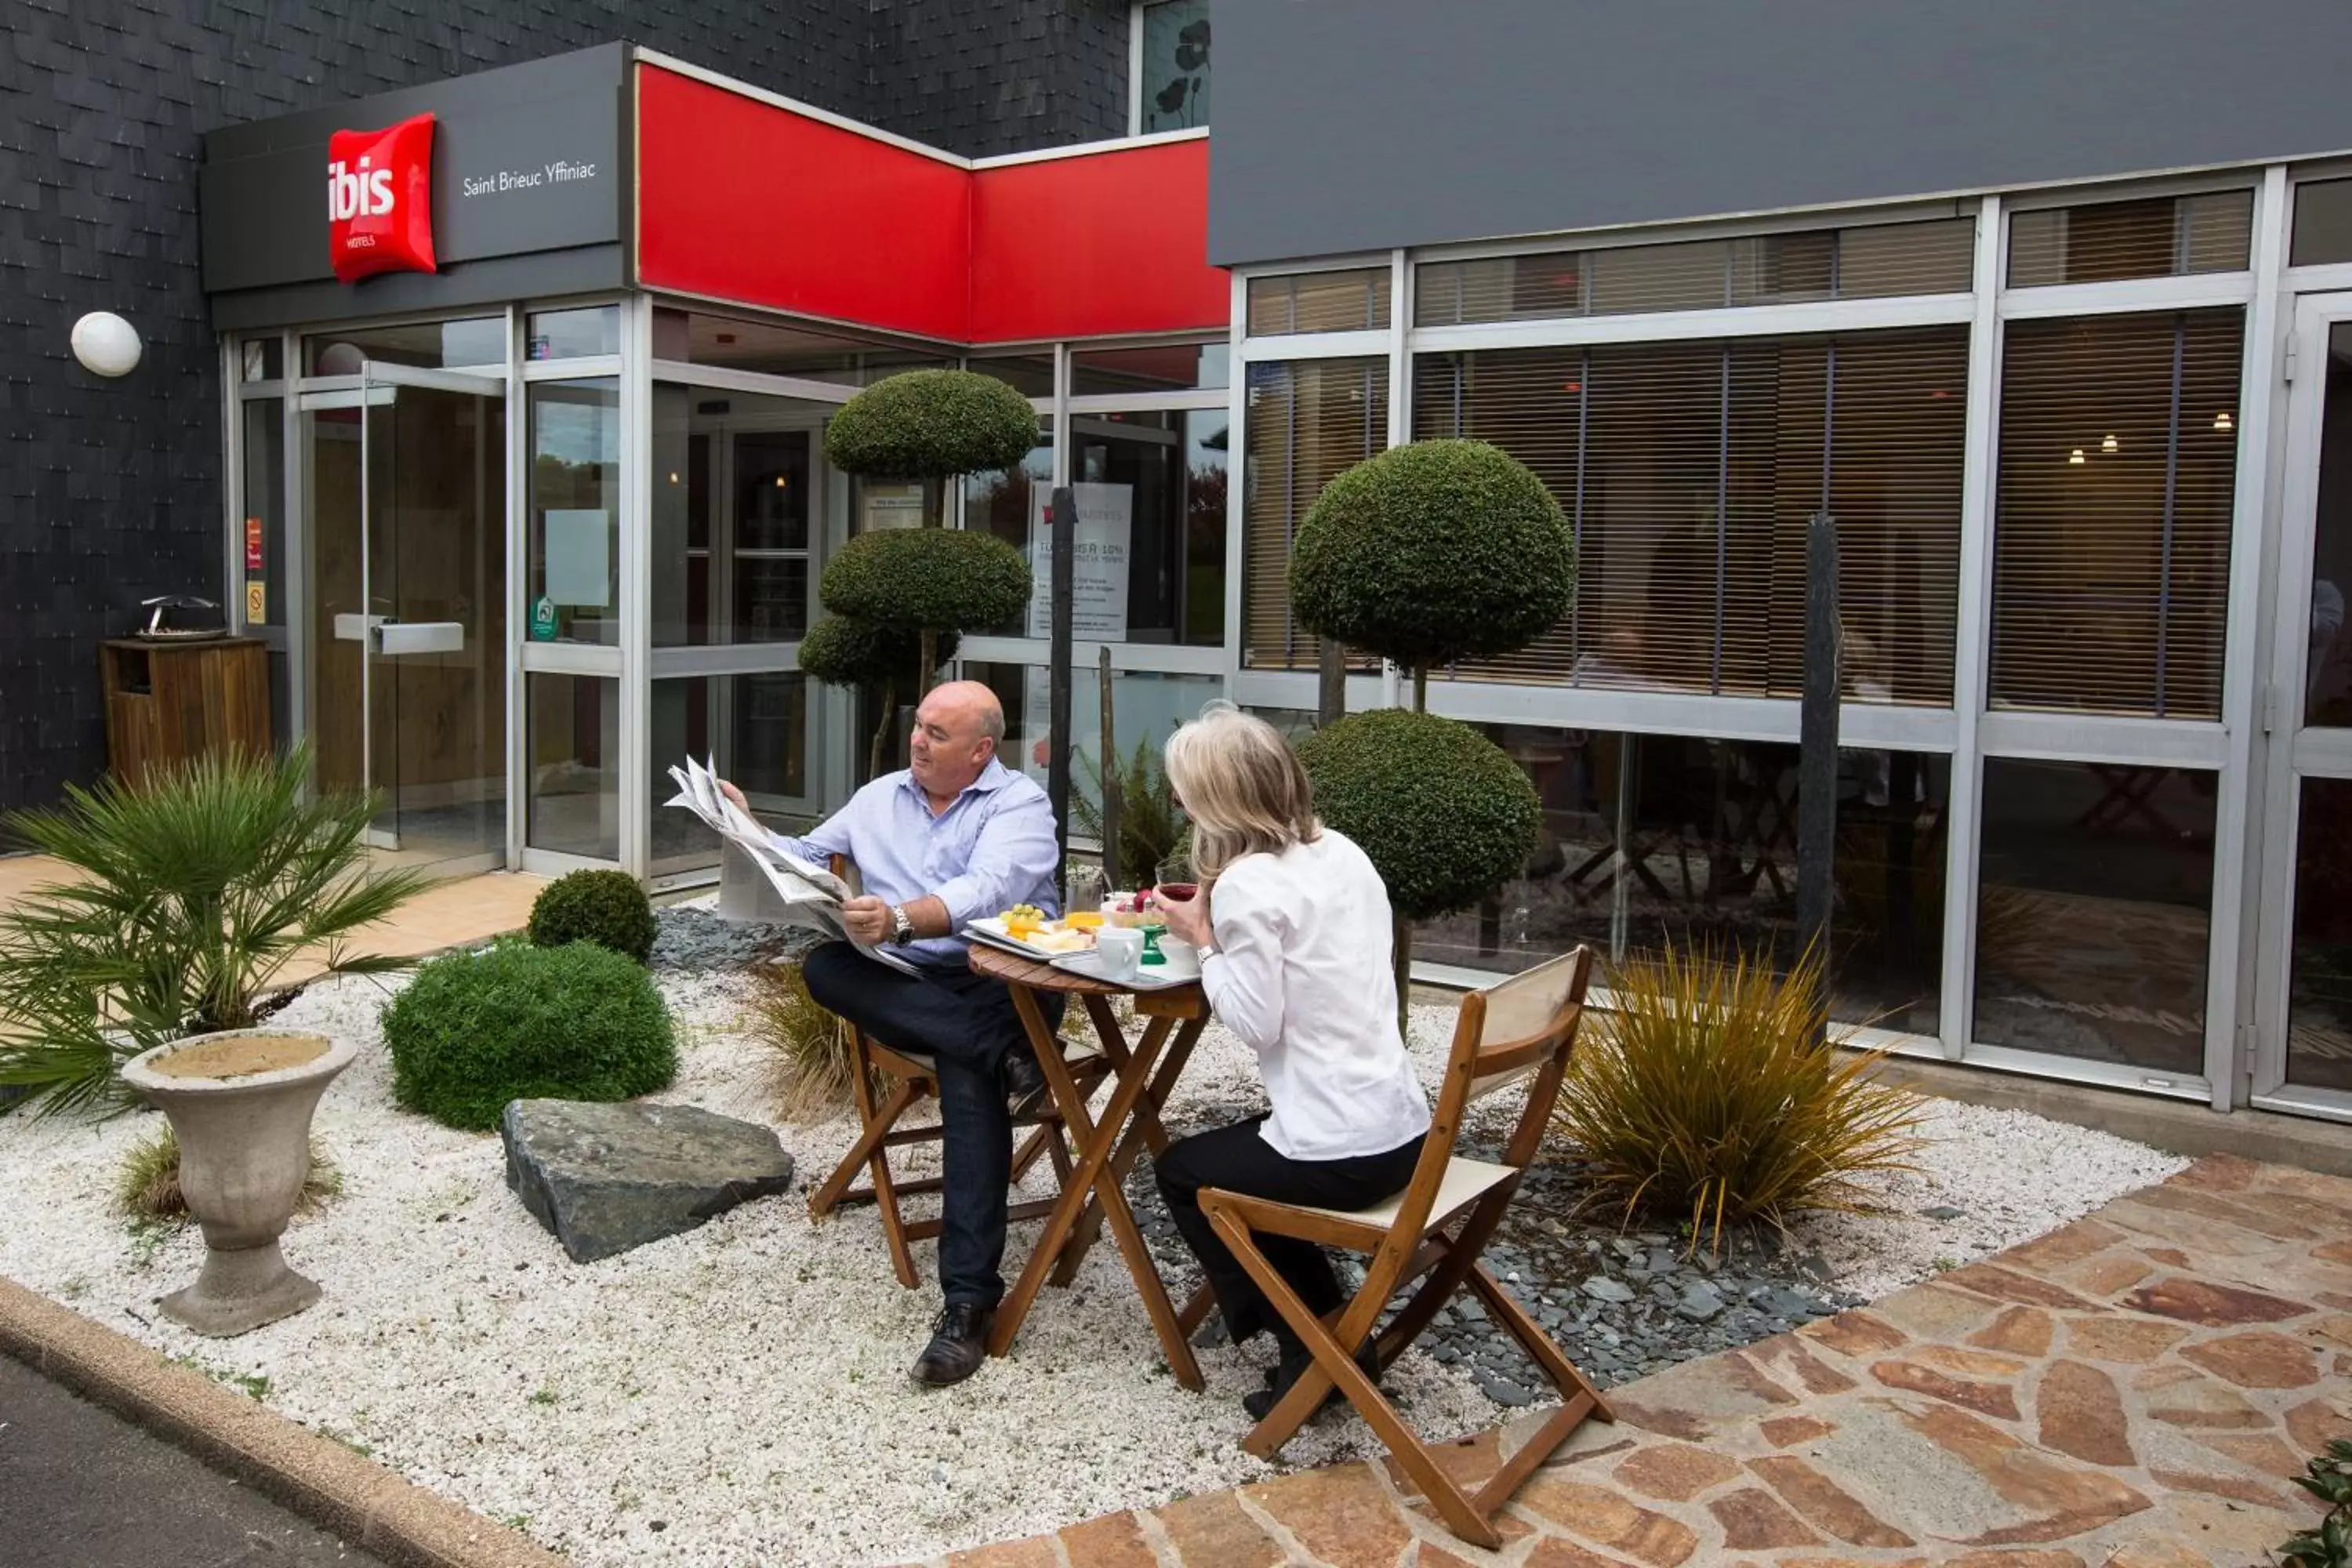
605 1178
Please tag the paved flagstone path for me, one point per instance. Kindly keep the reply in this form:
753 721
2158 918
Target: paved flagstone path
2132 1391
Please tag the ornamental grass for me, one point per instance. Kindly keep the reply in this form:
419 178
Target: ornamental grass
1715 1091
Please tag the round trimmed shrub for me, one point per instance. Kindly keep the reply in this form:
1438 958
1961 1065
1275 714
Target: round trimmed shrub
930 424
1434 553
1445 815
607 907
842 650
941 578
475 1030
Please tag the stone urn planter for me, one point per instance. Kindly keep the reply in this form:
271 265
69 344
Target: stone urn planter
240 1102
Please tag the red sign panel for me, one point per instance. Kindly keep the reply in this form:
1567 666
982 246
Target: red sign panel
253 544
379 199
863 230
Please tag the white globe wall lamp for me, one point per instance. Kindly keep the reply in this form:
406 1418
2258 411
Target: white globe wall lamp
106 344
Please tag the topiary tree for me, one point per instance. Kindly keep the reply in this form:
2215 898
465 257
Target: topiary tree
842 650
931 424
607 907
1432 553
1445 814
927 584
476 1030
928 425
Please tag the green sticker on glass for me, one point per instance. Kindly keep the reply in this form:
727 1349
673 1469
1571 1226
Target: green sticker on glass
543 619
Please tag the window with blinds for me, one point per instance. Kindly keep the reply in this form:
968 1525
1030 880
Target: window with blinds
2119 467
1937 257
1355 301
1690 471
2102 242
1308 423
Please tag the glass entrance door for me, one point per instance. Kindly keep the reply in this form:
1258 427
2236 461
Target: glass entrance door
2304 1017
406 507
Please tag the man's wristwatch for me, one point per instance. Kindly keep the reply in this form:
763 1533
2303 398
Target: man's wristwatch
902 926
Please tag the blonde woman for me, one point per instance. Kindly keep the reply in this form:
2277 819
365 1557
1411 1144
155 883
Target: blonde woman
1293 925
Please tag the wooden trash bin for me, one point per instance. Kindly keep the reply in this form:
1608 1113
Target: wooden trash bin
168 702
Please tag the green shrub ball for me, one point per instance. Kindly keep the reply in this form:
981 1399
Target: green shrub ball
941 578
476 1030
607 907
1435 552
841 650
930 424
1446 816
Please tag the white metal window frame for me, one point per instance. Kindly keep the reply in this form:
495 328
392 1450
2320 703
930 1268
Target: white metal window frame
2289 752
1967 731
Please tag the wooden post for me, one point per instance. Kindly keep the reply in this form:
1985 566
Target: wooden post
1113 801
1057 717
1817 760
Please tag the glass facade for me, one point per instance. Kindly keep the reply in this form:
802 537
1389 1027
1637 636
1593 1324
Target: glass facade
2045 636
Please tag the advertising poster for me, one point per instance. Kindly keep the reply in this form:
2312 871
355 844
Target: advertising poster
1106 523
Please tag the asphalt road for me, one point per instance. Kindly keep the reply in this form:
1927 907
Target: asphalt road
82 1487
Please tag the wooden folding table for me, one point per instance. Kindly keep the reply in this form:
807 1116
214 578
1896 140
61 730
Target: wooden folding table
1143 1072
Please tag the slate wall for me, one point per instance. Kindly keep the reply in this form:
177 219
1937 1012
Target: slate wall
112 491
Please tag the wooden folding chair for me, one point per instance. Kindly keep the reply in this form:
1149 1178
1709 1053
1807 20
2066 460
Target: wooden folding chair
1525 1026
912 1078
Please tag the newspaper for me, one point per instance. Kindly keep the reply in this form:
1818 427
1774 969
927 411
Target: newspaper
811 895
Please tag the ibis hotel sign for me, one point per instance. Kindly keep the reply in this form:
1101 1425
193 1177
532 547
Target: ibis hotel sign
499 185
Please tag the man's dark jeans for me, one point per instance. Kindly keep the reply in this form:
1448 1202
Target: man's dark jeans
965 1023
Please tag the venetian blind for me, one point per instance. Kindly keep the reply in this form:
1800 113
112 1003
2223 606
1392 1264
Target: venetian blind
1689 472
2103 241
2111 530
1308 422
1353 301
1935 257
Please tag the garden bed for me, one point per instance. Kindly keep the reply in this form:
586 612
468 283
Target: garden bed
739 1392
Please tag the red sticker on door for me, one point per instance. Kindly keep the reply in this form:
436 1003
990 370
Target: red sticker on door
253 544
380 200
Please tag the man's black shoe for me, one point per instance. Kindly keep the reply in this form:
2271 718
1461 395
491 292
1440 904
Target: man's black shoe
1025 1089
959 1344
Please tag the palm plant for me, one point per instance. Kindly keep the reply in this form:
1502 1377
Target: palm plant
1150 827
196 890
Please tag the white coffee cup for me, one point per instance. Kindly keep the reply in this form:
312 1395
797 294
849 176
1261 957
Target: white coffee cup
1121 951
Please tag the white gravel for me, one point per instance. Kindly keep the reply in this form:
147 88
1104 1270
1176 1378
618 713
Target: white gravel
739 1394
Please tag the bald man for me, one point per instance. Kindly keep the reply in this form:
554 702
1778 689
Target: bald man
956 838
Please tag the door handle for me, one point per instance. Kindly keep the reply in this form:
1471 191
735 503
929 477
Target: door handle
394 638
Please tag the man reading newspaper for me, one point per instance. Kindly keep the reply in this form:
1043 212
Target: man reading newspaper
956 838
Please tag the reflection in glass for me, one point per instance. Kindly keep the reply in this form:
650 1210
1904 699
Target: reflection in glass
1162 367
773 349
1655 840
477 342
1010 503
261 545
573 764
575 508
573 334
756 726
2319 1006
2095 890
1150 489
1146 707
2327 670
736 571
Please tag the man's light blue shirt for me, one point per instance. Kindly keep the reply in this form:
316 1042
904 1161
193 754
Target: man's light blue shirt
992 848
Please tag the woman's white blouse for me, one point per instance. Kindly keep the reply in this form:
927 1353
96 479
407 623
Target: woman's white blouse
1302 971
